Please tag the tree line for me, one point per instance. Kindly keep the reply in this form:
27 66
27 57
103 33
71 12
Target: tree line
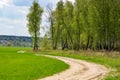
82 25
85 24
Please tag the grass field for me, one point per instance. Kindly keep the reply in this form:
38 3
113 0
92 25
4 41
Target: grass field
26 66
109 59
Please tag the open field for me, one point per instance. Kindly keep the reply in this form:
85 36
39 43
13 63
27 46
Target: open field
26 66
109 59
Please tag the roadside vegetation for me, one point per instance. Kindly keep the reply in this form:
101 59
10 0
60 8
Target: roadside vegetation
110 59
26 66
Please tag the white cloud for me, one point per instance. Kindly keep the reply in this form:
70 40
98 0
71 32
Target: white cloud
5 3
13 20
13 27
72 0
55 1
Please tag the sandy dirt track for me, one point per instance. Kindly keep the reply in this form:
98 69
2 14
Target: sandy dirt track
78 70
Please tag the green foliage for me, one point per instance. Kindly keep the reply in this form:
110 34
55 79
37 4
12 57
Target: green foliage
34 20
45 44
88 24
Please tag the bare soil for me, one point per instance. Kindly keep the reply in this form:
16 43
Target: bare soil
78 70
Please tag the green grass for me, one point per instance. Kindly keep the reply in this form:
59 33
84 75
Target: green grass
26 66
109 59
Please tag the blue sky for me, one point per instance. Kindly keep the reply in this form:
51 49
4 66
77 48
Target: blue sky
13 16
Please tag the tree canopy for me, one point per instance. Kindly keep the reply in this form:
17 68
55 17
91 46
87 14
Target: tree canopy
87 24
34 20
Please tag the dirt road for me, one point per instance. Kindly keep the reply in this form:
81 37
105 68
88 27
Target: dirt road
79 70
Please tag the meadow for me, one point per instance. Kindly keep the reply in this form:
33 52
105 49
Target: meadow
26 66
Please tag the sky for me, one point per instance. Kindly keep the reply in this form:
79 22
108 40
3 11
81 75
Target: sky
13 14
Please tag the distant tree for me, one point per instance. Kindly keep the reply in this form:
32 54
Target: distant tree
34 20
45 43
68 19
59 17
50 17
9 43
77 24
